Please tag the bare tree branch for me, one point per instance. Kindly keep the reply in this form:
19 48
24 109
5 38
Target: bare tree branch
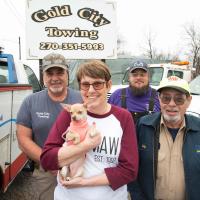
193 37
150 50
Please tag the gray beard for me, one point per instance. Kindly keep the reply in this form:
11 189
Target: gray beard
139 91
56 91
172 120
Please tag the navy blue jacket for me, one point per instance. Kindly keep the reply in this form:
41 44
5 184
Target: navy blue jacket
148 144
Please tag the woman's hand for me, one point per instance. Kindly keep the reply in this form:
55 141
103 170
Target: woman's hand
73 183
83 182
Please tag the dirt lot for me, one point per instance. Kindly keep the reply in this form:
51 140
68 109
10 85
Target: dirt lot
20 189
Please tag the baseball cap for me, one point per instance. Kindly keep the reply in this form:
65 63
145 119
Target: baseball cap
138 65
174 82
54 60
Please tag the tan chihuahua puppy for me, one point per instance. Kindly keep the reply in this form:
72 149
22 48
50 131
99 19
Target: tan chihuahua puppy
75 134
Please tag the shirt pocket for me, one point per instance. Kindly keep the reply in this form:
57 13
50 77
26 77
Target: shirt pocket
161 156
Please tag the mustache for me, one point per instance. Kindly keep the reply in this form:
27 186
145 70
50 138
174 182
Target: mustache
55 81
173 110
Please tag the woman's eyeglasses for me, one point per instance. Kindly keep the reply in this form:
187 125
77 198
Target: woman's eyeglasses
178 100
98 85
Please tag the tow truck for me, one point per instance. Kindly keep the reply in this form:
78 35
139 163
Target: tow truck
158 72
17 80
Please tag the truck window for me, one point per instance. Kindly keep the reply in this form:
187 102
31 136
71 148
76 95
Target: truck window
175 73
156 75
73 67
3 71
32 79
118 68
3 79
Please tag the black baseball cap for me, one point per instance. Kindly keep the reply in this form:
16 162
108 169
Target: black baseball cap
138 65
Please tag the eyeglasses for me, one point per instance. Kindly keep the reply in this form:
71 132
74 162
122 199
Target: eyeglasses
98 85
178 100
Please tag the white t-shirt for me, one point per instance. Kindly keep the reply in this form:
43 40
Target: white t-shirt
104 156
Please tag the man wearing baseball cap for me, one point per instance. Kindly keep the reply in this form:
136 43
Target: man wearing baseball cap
36 116
139 98
169 147
52 60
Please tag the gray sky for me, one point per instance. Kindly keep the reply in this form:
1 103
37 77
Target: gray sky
164 18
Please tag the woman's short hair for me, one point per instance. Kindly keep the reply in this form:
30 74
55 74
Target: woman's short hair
93 69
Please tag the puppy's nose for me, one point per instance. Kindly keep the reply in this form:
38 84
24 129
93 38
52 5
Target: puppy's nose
74 118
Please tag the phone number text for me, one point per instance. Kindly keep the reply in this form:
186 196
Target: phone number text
71 46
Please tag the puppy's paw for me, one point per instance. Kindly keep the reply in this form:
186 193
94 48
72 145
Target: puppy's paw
64 172
73 138
93 130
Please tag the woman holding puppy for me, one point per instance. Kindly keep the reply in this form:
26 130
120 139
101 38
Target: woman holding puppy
111 156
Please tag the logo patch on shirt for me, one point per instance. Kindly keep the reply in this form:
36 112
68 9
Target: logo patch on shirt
197 148
43 115
143 146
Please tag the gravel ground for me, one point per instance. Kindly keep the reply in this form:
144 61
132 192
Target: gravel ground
20 189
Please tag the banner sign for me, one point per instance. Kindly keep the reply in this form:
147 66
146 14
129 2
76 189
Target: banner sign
77 29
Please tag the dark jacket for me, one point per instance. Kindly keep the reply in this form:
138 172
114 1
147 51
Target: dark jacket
148 144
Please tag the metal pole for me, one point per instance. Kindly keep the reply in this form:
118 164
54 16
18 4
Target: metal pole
20 48
41 73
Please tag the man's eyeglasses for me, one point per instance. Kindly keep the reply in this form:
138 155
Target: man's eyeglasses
98 85
178 100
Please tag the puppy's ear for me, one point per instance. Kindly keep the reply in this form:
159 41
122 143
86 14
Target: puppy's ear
67 107
64 135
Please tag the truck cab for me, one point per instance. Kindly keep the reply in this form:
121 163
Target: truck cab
158 72
16 82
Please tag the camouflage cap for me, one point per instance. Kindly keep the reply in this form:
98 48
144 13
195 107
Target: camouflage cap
54 60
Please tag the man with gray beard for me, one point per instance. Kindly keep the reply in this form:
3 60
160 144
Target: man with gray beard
38 113
169 147
139 98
